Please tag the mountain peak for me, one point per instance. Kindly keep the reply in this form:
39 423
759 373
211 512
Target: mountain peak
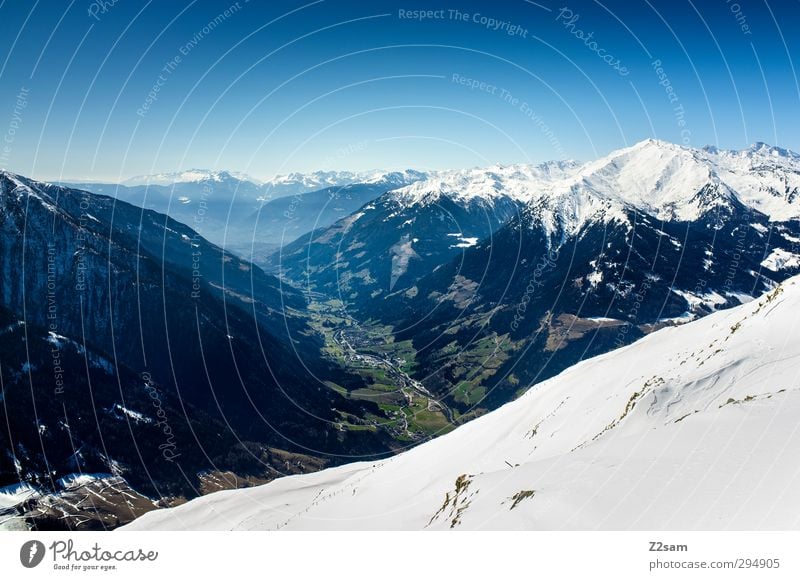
771 150
675 182
14 177
653 142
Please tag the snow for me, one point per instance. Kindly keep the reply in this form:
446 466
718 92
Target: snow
188 176
135 415
740 296
663 180
780 260
12 327
682 319
21 187
297 183
10 497
595 278
402 253
99 362
709 300
13 495
660 179
692 427
517 182
463 242
764 178
56 340
75 480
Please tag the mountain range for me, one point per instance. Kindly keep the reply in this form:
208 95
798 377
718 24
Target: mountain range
246 216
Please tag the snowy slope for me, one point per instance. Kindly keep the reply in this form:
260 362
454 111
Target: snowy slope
692 427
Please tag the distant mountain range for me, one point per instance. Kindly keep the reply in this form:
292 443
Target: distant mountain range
406 233
190 176
279 186
249 217
689 428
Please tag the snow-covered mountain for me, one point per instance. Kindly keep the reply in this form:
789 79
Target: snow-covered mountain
518 182
764 177
283 184
693 427
661 179
188 176
409 231
412 230
664 180
673 183
299 183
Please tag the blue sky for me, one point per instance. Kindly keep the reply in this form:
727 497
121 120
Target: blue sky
272 87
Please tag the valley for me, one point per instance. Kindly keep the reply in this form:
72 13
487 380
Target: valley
370 351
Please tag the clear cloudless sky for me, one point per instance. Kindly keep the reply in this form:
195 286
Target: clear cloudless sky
105 90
